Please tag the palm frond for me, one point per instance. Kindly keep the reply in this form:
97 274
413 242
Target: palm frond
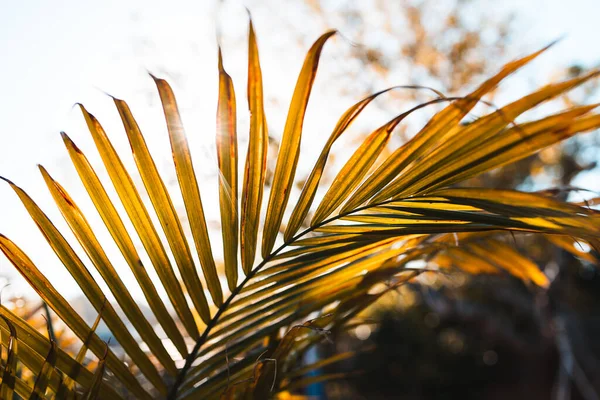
371 224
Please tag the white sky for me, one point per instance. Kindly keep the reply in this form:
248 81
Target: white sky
57 53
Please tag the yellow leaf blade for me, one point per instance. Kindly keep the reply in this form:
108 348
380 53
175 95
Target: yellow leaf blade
353 171
141 221
512 261
440 125
189 188
69 382
41 381
513 145
7 386
62 308
289 150
88 240
119 233
32 348
165 211
90 288
573 246
228 166
256 159
312 183
94 390
473 140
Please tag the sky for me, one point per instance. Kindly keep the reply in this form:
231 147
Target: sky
55 54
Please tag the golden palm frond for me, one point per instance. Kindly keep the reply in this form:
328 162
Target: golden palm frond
375 218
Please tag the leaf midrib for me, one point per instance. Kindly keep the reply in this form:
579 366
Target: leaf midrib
215 319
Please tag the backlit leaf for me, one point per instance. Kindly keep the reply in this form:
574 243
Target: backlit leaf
228 170
189 188
256 159
287 159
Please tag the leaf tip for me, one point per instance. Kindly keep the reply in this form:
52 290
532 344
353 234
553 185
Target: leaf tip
85 112
46 174
7 181
155 78
220 58
69 143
